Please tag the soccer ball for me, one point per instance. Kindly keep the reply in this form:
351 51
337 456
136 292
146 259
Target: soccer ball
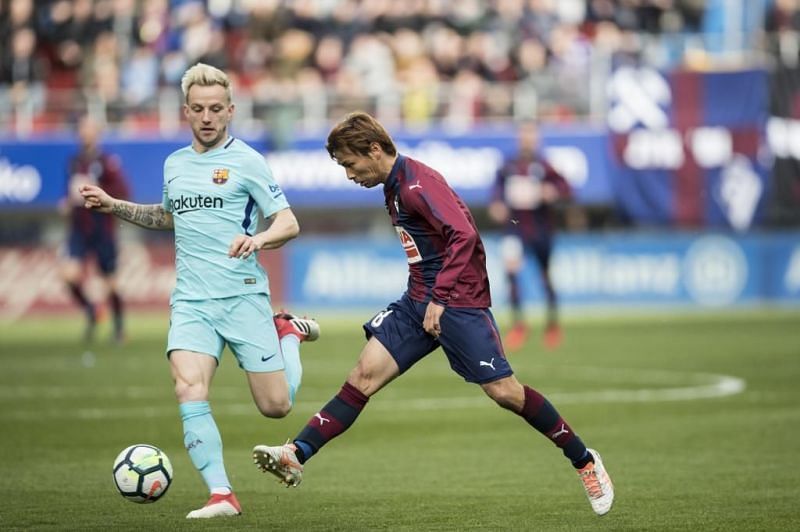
142 473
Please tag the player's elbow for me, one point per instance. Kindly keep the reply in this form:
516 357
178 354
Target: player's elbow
470 239
290 227
288 232
293 230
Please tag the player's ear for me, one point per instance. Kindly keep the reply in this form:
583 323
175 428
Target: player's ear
375 151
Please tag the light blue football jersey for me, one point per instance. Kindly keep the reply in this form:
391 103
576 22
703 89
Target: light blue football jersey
213 197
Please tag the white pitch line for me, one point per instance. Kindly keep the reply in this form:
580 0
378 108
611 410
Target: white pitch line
713 386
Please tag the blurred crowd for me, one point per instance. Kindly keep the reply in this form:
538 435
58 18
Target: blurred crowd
423 58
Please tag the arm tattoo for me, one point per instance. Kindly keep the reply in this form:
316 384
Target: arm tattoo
148 216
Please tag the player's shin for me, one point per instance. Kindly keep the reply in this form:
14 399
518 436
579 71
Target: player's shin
293 368
542 415
202 440
334 418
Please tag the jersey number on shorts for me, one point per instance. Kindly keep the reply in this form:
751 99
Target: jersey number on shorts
379 317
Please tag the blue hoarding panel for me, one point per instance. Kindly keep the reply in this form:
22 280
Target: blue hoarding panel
33 173
703 270
781 263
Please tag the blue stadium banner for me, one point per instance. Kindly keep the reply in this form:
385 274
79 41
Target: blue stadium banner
783 136
33 172
688 146
703 270
468 161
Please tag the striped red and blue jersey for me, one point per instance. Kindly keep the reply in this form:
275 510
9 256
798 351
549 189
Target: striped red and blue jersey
105 171
518 185
446 257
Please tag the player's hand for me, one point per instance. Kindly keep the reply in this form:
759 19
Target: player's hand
431 323
64 207
549 193
243 246
95 198
498 212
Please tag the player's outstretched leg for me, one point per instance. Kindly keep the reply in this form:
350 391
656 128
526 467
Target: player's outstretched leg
218 505
204 444
281 461
286 461
597 484
539 413
293 330
305 329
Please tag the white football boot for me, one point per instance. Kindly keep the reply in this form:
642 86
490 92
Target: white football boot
597 484
281 461
217 506
306 329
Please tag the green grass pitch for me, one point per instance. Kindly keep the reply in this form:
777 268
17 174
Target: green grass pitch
658 395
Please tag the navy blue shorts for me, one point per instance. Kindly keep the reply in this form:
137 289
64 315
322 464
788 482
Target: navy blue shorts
515 243
103 247
469 338
541 249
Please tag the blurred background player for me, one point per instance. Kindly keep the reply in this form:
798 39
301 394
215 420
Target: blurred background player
92 233
447 304
525 193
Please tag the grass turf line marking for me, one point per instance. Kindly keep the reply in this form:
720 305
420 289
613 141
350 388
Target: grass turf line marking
704 386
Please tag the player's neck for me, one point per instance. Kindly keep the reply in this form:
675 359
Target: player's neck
89 152
200 148
387 165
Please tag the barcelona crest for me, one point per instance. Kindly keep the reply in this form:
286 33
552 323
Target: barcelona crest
220 176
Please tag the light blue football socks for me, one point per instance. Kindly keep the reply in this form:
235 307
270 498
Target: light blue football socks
292 367
203 442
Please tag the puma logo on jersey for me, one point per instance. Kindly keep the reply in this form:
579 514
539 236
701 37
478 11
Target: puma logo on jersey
562 430
489 364
415 185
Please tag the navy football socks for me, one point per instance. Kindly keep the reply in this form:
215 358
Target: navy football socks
543 416
334 418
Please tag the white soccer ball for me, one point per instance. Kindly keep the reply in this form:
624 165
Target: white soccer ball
142 473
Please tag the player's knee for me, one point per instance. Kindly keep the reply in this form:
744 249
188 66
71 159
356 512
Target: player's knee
190 391
506 393
274 409
362 379
375 368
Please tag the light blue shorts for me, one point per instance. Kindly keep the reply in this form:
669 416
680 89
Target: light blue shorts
243 322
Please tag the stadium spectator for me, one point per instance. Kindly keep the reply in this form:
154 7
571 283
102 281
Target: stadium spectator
100 75
21 71
93 233
524 196
782 22
15 15
221 294
140 78
446 304
495 41
123 23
